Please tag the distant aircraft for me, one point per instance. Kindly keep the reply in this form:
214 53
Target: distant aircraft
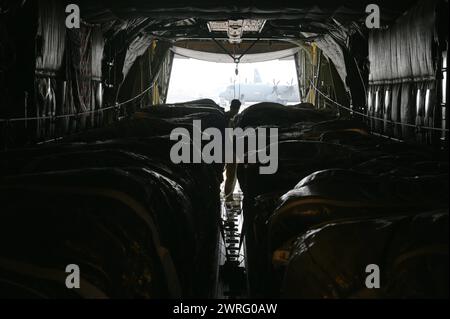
259 92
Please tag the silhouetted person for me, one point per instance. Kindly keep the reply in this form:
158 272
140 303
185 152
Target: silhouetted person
230 181
234 110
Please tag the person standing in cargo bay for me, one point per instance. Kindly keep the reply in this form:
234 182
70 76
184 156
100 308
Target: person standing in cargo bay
231 168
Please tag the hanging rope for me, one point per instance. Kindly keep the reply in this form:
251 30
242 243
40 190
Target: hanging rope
236 60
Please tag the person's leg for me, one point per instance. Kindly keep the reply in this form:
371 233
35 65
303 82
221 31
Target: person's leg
230 182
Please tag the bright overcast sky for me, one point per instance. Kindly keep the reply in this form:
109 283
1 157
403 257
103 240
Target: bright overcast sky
193 79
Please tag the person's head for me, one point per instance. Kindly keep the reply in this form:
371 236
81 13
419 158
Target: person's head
235 106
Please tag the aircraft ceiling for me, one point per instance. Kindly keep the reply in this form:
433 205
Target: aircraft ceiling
176 20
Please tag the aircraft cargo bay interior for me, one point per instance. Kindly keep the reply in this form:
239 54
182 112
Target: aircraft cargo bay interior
224 149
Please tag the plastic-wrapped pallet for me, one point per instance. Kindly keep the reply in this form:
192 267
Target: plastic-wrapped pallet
410 252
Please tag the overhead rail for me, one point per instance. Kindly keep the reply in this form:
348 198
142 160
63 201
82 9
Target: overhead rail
116 107
119 105
375 117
